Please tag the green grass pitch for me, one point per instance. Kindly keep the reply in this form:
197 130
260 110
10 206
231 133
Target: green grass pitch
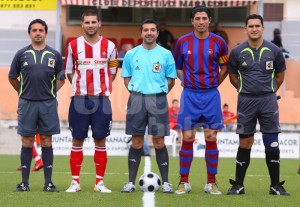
256 185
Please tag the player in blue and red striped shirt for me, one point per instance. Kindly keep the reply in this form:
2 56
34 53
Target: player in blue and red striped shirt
201 59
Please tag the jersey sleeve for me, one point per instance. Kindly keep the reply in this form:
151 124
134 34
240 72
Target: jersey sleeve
171 70
223 59
113 60
279 64
59 68
178 56
69 62
15 66
126 66
232 66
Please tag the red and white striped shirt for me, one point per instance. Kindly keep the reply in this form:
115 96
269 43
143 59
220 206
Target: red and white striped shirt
92 66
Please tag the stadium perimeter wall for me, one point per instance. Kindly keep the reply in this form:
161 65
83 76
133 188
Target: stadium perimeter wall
118 144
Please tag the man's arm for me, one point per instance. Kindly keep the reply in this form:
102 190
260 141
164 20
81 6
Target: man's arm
279 79
113 77
126 82
171 83
179 73
223 73
70 77
59 84
15 83
234 79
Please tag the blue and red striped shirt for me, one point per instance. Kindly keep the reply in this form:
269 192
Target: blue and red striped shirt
200 60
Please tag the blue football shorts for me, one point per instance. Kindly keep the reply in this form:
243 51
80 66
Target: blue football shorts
94 111
200 108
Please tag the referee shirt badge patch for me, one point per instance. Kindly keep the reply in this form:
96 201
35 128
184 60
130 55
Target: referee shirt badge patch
51 62
156 67
269 65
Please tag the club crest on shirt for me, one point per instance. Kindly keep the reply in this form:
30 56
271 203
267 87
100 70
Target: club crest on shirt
51 62
156 67
210 52
269 65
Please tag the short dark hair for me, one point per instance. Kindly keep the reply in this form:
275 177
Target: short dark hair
90 12
149 21
200 9
276 31
40 21
254 16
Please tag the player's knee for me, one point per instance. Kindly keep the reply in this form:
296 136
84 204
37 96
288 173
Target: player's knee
188 137
211 138
246 141
271 142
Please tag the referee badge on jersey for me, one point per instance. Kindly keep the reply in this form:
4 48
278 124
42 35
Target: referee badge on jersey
156 68
51 62
269 65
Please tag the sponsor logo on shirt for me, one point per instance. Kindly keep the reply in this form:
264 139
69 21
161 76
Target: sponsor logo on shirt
92 63
269 65
51 62
156 68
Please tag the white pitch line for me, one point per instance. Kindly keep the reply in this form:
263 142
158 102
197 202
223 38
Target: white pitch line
147 167
148 197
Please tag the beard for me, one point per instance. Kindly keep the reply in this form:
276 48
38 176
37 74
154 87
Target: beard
91 33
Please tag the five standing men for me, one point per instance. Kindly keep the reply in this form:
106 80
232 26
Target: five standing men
91 66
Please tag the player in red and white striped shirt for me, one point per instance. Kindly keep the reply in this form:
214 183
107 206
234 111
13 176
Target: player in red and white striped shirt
91 66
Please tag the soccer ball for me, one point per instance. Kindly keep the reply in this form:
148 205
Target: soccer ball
149 182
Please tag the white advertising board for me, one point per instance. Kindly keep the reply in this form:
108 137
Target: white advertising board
228 143
117 143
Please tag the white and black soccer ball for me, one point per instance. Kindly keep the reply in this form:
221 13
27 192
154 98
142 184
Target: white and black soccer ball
149 182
